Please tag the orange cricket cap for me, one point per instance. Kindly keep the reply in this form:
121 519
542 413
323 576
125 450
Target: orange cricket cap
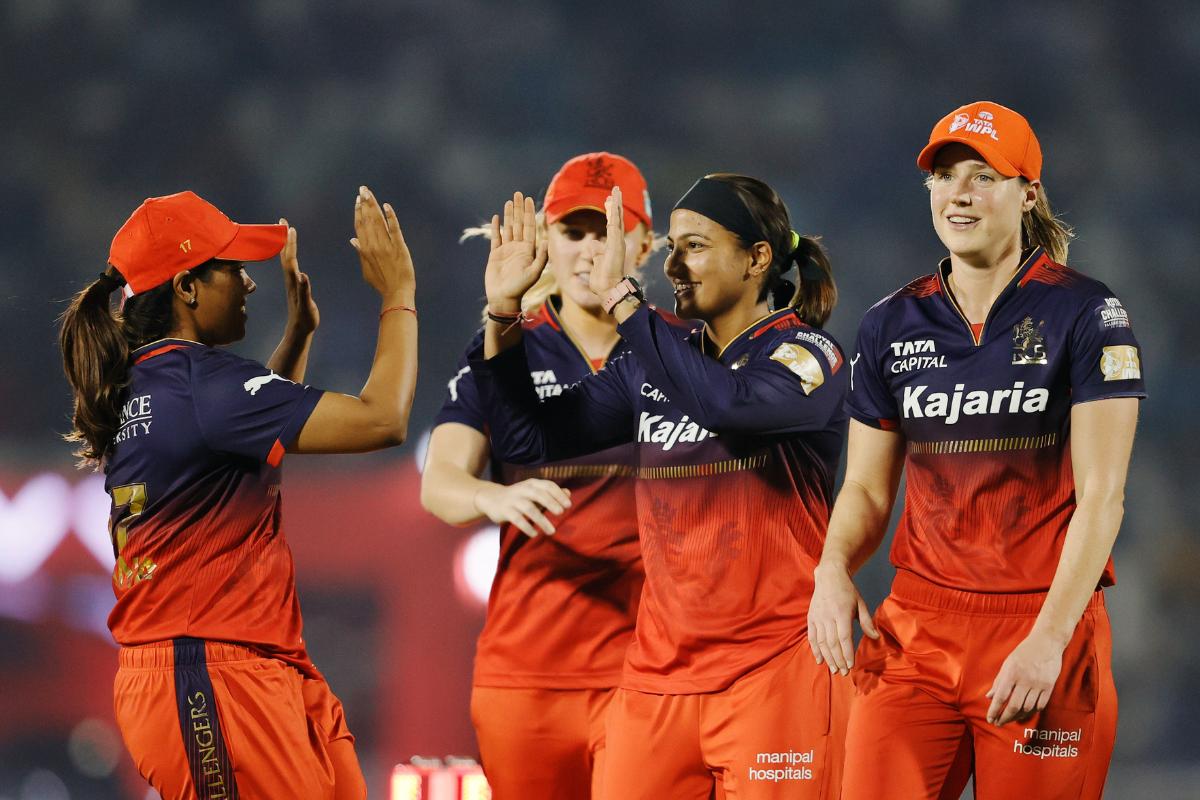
999 134
166 235
586 181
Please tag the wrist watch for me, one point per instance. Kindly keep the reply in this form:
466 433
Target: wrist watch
628 287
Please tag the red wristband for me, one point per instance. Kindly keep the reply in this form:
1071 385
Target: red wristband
398 308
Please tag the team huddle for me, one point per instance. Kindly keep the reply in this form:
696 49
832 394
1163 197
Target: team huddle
673 608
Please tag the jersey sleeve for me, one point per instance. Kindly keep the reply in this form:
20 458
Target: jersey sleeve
589 416
789 385
462 395
870 402
1106 360
246 409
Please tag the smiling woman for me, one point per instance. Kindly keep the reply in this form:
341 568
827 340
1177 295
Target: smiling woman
734 435
561 610
1014 429
191 437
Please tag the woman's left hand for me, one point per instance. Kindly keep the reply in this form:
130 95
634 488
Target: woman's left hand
1025 681
303 315
608 259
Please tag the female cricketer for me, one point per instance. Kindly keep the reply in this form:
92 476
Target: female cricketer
562 606
1007 386
737 430
215 694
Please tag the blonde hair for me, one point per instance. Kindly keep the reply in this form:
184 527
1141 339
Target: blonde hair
1041 227
546 286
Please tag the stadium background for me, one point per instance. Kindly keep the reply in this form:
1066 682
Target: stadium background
275 107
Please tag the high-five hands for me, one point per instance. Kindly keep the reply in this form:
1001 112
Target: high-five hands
303 315
608 259
386 263
517 257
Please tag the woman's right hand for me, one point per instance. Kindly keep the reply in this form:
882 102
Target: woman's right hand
386 262
517 257
835 602
522 504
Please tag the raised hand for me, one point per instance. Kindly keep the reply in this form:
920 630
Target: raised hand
386 263
517 257
303 315
608 260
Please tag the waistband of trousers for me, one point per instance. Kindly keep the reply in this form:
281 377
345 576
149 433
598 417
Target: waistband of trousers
161 655
913 588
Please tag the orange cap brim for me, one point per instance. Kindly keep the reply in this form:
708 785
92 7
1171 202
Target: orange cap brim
255 243
991 155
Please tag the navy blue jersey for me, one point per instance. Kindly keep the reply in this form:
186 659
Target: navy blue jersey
986 418
194 480
562 608
735 456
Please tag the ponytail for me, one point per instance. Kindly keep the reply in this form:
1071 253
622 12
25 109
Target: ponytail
814 301
96 361
96 343
1040 227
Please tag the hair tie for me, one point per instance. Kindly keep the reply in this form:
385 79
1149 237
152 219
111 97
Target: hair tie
111 283
795 241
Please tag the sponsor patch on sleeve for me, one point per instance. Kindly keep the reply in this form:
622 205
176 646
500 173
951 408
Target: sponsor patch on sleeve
1112 314
801 362
1120 363
826 347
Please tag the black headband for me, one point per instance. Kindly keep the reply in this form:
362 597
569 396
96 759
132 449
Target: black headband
719 202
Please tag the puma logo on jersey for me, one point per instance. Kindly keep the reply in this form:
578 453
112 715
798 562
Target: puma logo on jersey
254 384
653 428
918 405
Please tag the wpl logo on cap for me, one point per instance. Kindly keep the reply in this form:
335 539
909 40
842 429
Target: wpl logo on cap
982 124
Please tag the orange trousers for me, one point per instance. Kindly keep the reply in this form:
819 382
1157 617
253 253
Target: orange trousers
921 693
211 720
776 732
541 742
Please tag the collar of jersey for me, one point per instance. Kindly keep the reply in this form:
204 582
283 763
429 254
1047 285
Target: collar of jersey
1029 259
164 345
750 330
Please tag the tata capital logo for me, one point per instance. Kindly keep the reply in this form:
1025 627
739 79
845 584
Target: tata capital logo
982 124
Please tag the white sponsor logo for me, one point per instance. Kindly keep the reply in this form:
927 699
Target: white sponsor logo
1113 314
545 382
653 394
982 124
653 428
453 384
254 384
793 766
917 354
919 405
135 418
853 361
913 347
824 345
1049 743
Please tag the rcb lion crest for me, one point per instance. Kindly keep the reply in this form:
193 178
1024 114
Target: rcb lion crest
1029 346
